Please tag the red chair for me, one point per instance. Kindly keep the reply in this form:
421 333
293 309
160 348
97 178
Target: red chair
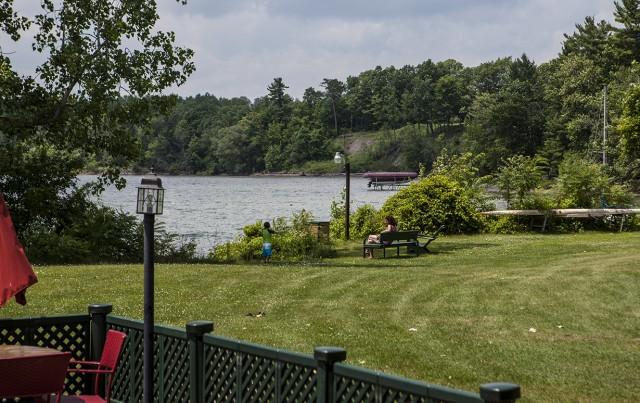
33 376
106 366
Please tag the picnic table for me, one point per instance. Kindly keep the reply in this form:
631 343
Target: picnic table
409 239
29 371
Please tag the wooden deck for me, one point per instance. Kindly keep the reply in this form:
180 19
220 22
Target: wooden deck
566 213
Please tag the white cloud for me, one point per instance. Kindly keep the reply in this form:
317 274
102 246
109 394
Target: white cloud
241 45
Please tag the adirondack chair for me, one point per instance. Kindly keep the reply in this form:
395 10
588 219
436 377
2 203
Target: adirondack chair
430 238
106 367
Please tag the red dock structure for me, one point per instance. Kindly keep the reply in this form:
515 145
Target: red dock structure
389 180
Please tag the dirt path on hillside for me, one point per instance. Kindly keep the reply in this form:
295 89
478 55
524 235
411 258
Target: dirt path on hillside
358 143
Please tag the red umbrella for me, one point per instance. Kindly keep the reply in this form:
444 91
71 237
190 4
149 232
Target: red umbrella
16 273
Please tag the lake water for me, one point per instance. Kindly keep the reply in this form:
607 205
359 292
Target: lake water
213 209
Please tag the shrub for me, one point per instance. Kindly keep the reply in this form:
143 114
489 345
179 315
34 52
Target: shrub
45 247
336 220
462 168
101 234
292 241
505 225
364 221
173 248
584 184
436 200
516 177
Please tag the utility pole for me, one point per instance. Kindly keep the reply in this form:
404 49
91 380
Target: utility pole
604 128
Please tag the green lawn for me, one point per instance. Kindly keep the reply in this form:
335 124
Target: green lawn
474 304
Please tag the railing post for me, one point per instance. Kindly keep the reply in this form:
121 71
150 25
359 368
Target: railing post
326 357
500 392
195 331
98 314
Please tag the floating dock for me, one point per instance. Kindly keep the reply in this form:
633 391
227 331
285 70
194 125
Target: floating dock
389 180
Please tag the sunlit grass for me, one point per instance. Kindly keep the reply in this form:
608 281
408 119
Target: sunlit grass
558 314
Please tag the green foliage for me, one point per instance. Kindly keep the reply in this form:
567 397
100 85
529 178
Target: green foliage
337 217
593 41
626 38
103 235
173 248
463 168
364 221
510 121
629 124
517 176
104 65
320 167
436 200
505 225
292 241
583 184
573 92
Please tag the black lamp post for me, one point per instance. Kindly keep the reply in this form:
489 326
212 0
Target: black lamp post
150 203
342 159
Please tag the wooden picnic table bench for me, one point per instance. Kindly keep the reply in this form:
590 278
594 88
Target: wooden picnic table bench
393 240
430 238
409 239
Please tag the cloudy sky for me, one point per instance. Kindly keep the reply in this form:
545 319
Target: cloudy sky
241 45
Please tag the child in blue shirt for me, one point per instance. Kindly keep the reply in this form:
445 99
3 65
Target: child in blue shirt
266 242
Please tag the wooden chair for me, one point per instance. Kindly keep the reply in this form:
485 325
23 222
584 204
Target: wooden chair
106 367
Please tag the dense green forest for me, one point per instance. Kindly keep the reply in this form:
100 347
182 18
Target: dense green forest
398 118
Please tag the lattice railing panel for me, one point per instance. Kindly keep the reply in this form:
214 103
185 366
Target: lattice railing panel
171 369
15 336
395 396
233 371
257 378
220 374
73 338
298 383
237 377
127 382
350 390
65 334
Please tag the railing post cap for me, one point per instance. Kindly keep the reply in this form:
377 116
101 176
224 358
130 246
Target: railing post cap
199 327
499 392
100 309
330 354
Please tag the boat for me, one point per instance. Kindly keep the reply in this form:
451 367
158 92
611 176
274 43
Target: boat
389 180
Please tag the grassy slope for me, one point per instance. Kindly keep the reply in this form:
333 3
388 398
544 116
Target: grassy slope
472 302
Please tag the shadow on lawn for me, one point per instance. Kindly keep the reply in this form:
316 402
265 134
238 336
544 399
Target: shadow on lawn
441 248
450 247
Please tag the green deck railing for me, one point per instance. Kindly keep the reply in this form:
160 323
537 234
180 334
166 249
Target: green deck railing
191 365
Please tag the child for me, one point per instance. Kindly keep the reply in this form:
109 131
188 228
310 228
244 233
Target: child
266 242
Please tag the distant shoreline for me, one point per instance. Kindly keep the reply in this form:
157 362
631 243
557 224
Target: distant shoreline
258 174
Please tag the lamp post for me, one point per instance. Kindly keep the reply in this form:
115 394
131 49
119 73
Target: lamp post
150 203
342 159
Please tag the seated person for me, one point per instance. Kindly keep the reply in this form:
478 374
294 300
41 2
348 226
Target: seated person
391 225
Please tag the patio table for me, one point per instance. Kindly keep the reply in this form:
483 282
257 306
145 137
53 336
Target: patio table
29 371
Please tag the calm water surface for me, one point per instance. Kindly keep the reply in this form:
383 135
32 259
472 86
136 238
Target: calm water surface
213 209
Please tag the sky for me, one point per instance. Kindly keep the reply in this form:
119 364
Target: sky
242 45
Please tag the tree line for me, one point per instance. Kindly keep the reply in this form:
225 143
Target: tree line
500 108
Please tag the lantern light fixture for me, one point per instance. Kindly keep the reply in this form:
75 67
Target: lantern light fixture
150 195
